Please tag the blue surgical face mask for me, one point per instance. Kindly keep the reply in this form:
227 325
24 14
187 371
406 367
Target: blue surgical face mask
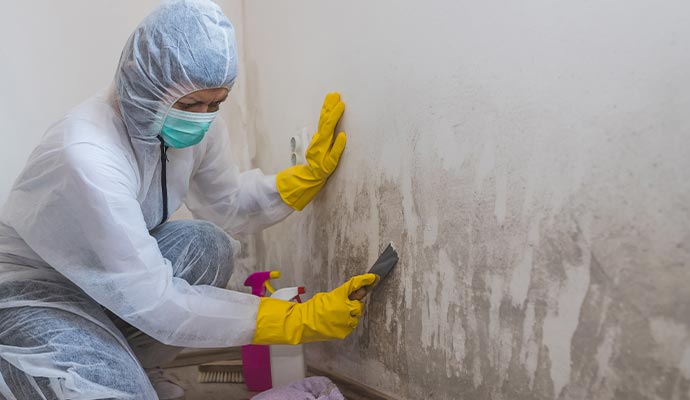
184 128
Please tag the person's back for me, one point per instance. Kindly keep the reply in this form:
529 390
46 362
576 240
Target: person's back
96 121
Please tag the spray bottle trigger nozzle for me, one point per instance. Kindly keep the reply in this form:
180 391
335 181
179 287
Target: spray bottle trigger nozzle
268 287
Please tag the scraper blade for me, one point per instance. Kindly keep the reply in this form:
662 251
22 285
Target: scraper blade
385 263
382 267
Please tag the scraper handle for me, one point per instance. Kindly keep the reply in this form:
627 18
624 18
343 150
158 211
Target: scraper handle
359 294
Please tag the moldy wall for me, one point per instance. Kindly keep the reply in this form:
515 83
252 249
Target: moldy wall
529 160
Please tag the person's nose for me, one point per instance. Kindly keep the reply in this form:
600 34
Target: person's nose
200 108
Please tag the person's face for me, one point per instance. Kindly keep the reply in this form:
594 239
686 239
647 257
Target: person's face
202 101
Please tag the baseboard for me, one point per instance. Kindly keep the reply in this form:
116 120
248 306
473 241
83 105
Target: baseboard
351 389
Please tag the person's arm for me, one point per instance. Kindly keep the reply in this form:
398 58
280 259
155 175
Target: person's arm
83 219
81 216
244 202
251 201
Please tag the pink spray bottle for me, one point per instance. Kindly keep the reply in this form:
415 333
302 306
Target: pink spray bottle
256 359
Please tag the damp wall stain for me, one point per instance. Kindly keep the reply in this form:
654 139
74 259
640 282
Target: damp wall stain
536 192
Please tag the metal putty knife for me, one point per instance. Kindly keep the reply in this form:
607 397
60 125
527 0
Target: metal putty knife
383 265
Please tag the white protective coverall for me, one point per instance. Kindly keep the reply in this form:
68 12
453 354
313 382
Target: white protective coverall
81 210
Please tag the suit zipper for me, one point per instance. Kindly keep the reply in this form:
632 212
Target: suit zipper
164 183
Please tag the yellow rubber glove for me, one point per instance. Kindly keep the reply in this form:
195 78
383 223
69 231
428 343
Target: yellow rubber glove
325 316
299 184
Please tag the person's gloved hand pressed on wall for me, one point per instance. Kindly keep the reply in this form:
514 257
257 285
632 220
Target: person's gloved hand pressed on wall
299 184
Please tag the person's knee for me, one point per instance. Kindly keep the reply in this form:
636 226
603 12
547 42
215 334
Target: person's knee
210 233
214 260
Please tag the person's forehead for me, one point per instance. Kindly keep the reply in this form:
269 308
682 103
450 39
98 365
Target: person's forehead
207 95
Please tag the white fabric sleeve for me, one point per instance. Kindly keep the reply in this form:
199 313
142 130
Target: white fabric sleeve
88 225
238 202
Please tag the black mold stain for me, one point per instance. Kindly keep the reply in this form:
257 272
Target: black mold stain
480 250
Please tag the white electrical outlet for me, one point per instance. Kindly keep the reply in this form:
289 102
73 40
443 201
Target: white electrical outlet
298 147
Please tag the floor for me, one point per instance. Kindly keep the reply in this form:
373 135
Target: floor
185 370
187 376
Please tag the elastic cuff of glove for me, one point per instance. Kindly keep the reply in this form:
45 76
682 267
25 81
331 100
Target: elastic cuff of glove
295 190
272 322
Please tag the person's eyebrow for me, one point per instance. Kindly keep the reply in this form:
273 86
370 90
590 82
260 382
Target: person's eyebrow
194 100
189 101
223 99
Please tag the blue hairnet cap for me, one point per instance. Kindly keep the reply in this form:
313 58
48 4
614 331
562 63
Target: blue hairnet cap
181 47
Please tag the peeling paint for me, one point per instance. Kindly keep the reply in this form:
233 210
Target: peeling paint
561 322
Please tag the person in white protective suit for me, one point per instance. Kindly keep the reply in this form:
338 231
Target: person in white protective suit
97 288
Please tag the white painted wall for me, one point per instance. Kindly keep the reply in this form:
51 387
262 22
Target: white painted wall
530 160
54 55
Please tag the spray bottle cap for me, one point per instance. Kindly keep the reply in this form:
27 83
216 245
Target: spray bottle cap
289 293
260 282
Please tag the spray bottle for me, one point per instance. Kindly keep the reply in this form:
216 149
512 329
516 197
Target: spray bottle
256 359
287 362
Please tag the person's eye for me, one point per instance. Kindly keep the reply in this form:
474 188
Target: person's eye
186 106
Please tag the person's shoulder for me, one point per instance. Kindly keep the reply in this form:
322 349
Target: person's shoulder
96 118
93 125
93 135
96 164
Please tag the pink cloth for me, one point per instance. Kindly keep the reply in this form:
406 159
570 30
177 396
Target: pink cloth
312 388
